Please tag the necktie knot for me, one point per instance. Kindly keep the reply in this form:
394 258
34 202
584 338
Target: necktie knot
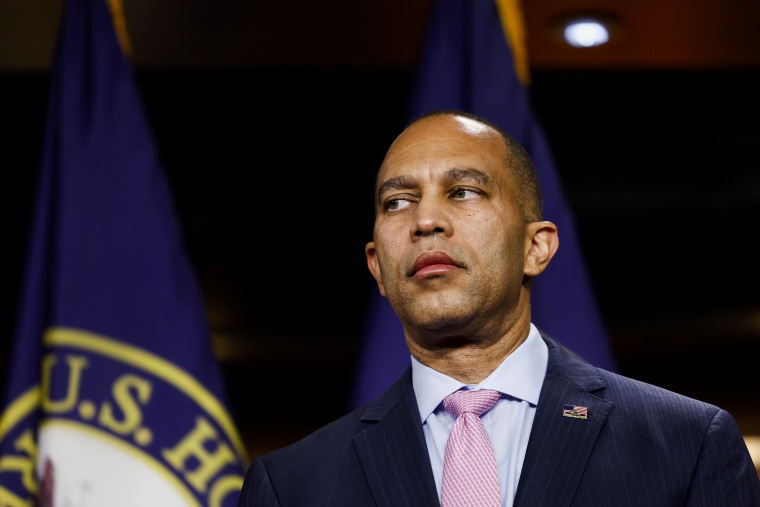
470 401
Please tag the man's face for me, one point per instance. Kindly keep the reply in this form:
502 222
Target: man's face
450 242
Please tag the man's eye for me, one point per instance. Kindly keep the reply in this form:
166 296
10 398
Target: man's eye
396 204
464 193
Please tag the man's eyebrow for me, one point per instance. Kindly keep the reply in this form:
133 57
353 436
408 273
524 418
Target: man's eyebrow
469 174
451 176
396 183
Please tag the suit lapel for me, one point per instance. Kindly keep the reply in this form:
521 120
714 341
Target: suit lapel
393 452
559 446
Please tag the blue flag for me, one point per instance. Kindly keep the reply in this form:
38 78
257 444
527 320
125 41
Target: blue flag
113 394
474 59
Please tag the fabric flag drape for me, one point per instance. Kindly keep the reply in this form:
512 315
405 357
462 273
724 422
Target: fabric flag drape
474 59
113 393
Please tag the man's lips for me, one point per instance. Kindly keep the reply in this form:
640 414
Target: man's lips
433 263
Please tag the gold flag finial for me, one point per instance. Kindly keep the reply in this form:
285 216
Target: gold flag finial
513 22
120 25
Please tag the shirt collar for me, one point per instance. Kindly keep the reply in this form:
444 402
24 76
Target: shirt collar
520 376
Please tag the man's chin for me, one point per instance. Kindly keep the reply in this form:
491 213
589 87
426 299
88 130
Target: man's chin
436 320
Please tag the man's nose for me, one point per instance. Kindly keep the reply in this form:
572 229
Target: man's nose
430 217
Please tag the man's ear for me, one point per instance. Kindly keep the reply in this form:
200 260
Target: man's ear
542 243
373 266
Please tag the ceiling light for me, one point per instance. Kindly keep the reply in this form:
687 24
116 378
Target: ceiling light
586 32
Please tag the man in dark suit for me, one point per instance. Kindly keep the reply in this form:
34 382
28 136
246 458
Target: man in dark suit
459 236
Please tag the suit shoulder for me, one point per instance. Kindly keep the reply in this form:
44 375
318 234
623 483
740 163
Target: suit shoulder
333 435
625 393
334 440
635 398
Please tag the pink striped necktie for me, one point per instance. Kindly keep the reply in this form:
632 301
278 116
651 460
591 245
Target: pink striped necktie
470 478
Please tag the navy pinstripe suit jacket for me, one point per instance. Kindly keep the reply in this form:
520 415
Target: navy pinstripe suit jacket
640 446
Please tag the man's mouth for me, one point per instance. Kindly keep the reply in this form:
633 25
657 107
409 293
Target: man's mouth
432 263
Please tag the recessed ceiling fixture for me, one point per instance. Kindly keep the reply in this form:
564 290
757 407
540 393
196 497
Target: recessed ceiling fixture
586 32
587 28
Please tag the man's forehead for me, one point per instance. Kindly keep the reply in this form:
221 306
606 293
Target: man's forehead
443 142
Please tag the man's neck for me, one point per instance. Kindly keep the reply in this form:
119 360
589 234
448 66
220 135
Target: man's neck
469 359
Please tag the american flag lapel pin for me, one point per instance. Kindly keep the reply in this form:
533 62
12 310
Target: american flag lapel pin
575 411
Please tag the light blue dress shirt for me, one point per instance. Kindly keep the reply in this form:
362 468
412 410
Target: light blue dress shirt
519 379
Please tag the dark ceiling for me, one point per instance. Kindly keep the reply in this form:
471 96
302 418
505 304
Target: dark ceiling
258 105
177 34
